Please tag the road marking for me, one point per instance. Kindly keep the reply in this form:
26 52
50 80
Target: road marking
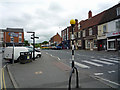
4 79
1 80
109 60
104 62
95 64
81 65
107 80
98 74
58 58
111 71
115 58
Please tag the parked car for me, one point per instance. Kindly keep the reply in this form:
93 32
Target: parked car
9 51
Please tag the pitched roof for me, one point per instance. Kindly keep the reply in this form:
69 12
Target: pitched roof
92 21
103 17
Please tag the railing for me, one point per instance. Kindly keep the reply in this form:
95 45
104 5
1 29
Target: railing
74 69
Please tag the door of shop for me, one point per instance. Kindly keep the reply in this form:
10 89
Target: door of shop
91 45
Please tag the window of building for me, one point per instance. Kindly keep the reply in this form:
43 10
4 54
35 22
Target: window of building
75 34
88 44
20 34
104 29
67 33
79 34
90 31
95 43
111 44
79 43
11 39
83 33
78 26
118 25
20 40
118 11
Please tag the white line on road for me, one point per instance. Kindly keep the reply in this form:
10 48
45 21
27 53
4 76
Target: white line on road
108 81
81 65
111 71
115 58
98 74
108 63
95 64
109 60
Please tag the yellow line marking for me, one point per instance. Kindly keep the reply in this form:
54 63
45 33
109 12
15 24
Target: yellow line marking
4 80
1 80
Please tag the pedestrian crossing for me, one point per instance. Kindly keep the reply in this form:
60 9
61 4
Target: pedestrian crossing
97 62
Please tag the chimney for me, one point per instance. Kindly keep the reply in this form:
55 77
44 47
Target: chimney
76 21
89 14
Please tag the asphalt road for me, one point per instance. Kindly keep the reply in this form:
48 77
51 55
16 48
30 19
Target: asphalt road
6 82
100 64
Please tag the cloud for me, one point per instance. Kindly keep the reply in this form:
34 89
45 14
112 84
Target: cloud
47 17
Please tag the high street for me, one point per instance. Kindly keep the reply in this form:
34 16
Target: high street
101 65
49 72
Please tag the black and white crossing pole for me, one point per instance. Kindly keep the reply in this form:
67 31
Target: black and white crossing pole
74 69
72 22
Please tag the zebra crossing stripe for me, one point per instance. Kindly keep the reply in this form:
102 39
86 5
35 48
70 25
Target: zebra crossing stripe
104 62
95 64
110 60
81 65
115 58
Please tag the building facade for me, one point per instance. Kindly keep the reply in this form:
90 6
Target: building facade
55 40
9 38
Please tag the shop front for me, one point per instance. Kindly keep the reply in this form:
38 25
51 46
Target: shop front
113 41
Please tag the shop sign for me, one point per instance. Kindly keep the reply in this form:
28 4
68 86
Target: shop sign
110 34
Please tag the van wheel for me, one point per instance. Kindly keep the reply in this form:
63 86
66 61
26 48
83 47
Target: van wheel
10 61
39 55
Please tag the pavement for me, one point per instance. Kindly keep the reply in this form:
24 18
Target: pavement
49 72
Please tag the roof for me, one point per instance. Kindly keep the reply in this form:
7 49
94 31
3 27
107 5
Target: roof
103 17
14 29
92 21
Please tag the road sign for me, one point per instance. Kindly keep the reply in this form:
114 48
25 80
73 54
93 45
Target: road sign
13 34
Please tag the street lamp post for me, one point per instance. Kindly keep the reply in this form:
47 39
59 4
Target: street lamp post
33 43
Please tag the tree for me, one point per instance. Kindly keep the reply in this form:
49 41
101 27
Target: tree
26 43
45 42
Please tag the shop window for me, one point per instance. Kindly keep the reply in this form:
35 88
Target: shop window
111 44
79 43
87 44
95 43
118 25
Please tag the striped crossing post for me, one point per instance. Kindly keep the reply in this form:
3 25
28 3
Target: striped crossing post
72 22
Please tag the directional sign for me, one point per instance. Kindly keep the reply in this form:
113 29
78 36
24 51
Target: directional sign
13 34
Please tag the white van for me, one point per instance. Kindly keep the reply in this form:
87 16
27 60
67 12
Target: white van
9 51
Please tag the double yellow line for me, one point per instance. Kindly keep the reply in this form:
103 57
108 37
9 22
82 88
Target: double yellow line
3 85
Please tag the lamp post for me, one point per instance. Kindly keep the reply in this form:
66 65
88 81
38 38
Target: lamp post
33 34
72 22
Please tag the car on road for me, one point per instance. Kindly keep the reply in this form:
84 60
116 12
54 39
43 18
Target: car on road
8 53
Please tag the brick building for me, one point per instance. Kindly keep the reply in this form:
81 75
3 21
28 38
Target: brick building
8 39
55 40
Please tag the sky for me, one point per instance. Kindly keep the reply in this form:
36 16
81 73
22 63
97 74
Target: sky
47 17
